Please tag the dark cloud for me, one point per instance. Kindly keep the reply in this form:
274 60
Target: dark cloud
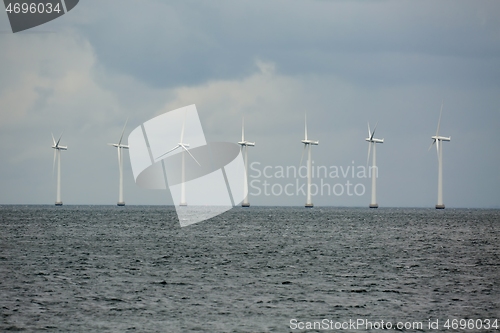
190 42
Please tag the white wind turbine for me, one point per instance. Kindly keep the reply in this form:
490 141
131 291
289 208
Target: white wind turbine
57 154
184 146
120 146
307 144
372 141
244 145
439 148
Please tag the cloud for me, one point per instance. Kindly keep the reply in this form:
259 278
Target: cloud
52 84
383 42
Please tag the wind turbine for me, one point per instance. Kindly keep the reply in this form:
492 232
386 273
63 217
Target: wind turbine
439 148
57 154
244 145
120 146
372 141
307 144
183 145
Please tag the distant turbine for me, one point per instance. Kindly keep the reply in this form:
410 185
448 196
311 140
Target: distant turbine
57 154
307 144
439 148
372 141
184 146
244 145
120 146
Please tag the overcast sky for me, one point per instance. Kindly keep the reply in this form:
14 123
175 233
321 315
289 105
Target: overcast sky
343 62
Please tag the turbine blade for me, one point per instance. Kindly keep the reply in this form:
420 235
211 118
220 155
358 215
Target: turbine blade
53 140
190 154
437 148
374 129
243 129
439 121
302 157
369 131
119 156
168 152
305 126
433 142
183 124
57 144
369 150
123 131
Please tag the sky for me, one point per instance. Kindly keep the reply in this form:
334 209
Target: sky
344 63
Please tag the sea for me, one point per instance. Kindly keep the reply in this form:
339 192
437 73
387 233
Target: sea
257 269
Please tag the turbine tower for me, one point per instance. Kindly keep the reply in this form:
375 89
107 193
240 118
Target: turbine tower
307 144
372 141
184 146
436 139
244 145
57 155
120 146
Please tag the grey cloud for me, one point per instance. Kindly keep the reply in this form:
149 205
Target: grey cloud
185 43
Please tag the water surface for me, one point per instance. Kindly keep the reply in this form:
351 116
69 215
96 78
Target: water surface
120 269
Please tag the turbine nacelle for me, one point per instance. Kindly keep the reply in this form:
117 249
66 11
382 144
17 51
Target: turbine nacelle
310 142
246 143
441 138
374 140
436 139
60 147
117 145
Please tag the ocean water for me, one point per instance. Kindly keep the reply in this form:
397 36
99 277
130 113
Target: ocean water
133 269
